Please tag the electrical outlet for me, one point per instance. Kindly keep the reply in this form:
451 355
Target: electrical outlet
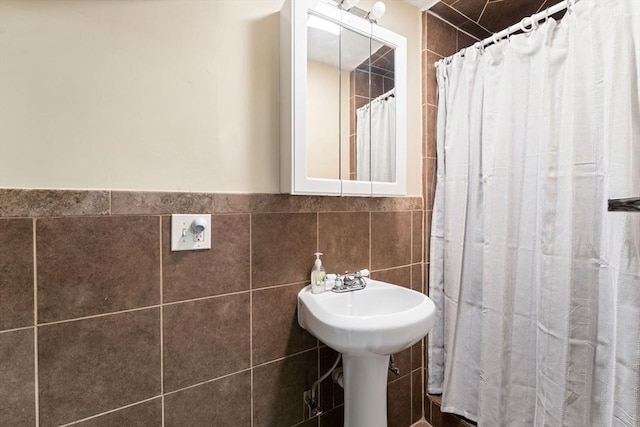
190 232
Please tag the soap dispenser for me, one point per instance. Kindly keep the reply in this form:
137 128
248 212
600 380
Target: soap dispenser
317 275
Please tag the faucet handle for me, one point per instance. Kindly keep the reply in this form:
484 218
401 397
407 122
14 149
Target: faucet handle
363 273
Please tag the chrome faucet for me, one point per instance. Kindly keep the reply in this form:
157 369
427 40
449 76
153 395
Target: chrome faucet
348 283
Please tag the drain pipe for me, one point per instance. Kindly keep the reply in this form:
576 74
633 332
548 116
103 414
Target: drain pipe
311 401
338 377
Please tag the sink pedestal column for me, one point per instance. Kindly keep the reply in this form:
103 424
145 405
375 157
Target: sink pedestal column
365 390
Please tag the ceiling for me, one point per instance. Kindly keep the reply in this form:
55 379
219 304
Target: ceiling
345 52
482 18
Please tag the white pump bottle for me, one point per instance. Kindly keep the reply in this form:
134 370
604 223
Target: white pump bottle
317 275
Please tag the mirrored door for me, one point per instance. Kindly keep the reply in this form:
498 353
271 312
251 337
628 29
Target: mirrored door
324 82
373 116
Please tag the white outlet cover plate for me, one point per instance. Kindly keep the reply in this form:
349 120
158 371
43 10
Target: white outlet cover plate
182 235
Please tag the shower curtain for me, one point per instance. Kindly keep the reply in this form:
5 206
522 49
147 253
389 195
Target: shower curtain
537 286
376 139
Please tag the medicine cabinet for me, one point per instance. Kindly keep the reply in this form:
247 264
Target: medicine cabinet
343 90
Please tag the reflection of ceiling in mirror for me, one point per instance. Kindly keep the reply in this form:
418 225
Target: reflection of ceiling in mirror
423 4
323 45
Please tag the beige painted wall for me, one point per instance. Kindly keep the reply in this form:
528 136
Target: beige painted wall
154 95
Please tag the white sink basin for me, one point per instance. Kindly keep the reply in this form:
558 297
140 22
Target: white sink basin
381 319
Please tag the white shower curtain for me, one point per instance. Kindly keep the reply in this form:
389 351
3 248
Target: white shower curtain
537 286
376 139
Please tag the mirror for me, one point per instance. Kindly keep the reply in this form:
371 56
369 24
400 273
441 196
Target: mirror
343 79
325 112
373 116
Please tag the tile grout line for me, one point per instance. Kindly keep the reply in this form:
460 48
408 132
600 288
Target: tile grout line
395 267
251 403
239 212
210 297
370 238
482 13
22 328
457 27
283 285
411 250
411 389
318 395
35 326
161 325
402 376
434 53
421 388
94 316
110 411
308 212
280 359
206 382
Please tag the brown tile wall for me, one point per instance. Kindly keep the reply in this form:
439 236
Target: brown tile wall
439 39
102 325
484 17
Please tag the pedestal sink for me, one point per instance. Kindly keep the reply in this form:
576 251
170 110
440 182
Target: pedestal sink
366 326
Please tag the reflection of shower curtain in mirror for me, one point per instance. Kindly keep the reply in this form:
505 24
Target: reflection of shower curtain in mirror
376 141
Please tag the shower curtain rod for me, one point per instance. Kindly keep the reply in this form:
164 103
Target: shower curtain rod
527 24
389 94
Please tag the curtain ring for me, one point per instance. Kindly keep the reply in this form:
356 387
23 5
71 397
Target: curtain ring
523 25
546 16
570 4
494 39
